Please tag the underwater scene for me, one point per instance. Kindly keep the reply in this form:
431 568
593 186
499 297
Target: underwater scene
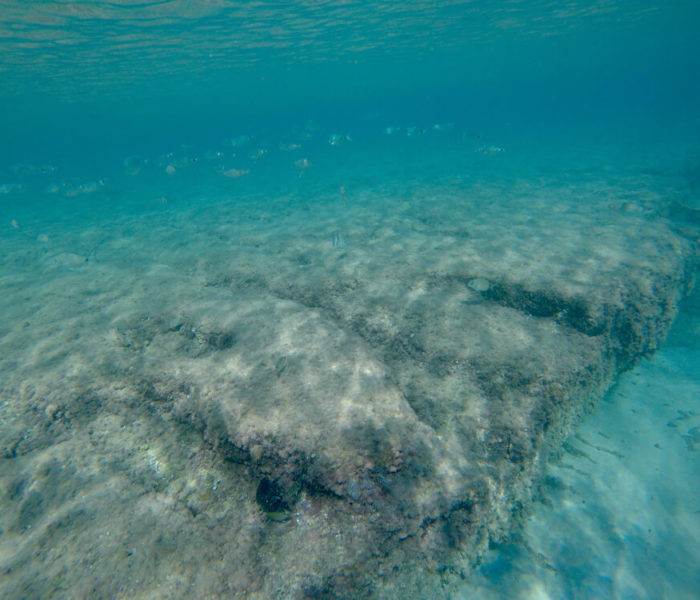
349 300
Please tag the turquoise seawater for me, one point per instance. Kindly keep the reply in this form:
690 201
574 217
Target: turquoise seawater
160 158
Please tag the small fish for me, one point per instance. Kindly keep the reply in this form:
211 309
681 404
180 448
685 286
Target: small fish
486 150
170 170
54 188
303 163
337 139
6 188
183 161
411 131
90 186
338 240
392 130
68 260
234 173
289 147
15 225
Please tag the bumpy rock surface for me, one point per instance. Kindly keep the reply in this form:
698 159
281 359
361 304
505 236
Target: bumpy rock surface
288 418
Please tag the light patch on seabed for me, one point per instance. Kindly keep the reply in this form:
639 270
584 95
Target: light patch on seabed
619 515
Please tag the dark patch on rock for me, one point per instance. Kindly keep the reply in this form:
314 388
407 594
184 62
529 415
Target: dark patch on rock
271 496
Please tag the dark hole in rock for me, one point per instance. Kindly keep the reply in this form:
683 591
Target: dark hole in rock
270 496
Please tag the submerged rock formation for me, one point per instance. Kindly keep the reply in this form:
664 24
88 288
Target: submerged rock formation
291 419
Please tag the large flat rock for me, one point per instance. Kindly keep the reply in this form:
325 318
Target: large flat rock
326 407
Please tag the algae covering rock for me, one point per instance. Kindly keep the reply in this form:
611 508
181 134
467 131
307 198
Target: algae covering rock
283 421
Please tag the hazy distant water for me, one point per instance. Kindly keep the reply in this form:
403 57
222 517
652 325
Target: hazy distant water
94 81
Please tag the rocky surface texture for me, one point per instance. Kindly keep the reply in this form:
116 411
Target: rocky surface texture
293 417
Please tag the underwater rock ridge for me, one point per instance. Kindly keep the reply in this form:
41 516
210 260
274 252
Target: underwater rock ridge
341 427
